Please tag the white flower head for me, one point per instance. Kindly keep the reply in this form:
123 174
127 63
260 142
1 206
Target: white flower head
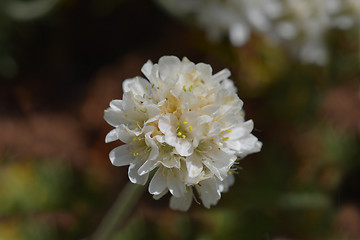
300 25
184 124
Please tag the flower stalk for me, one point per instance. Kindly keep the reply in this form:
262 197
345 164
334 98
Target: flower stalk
119 212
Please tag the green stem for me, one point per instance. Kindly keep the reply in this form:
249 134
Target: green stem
120 210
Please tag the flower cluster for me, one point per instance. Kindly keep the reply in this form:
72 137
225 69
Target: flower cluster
299 24
185 125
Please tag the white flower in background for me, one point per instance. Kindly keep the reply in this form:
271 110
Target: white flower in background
184 124
301 25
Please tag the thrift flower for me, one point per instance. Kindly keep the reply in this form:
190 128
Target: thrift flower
186 125
300 25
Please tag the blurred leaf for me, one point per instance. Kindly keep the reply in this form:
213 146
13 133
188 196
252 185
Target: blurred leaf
32 186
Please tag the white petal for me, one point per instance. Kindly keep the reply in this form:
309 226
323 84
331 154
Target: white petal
210 110
223 74
153 113
205 119
171 139
205 70
138 86
241 130
160 138
183 203
226 183
233 146
183 147
167 122
219 162
249 125
147 167
208 192
111 136
175 185
113 117
194 165
124 134
187 66
170 161
134 176
126 84
158 183
128 100
116 104
249 145
150 142
121 156
154 153
196 141
229 85
189 116
215 129
168 65
258 146
146 69
158 196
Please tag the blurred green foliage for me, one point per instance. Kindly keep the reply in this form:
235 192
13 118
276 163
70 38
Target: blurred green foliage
28 189
20 181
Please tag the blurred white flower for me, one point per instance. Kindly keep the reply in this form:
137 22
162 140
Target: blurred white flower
301 25
185 124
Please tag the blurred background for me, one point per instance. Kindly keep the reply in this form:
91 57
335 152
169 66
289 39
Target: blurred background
62 61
